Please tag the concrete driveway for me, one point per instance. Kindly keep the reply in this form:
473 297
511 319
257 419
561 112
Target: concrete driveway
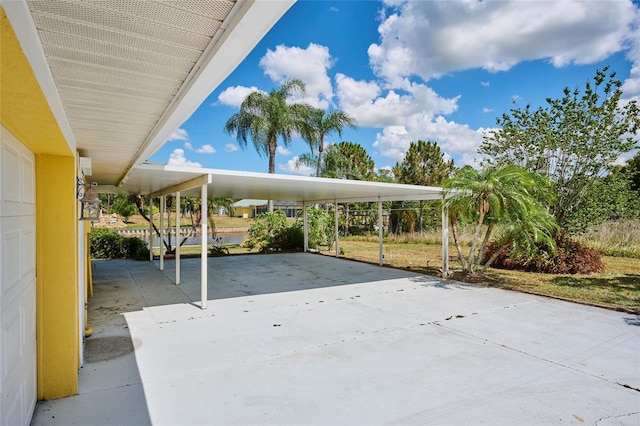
309 339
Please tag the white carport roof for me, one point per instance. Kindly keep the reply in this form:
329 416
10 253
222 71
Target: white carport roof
162 180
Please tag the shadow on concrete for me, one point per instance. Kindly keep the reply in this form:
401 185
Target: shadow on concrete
239 276
110 389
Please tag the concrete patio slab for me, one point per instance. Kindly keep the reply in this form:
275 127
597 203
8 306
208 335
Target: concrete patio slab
308 339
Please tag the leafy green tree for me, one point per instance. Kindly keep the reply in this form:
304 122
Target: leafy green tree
633 169
264 118
610 198
320 124
348 160
499 194
573 141
124 207
423 164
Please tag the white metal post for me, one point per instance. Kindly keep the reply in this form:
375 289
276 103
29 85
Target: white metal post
150 229
445 242
305 228
162 207
336 220
203 247
177 237
380 235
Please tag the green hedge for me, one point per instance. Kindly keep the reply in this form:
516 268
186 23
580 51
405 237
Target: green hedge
108 244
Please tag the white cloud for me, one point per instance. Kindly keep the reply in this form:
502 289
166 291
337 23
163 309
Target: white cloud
631 86
364 100
309 65
430 39
487 109
293 167
233 96
206 149
177 158
231 147
453 138
485 83
282 150
179 134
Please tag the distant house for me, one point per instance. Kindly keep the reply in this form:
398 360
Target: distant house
251 208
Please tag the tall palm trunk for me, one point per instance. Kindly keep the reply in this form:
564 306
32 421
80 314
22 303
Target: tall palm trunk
273 144
453 218
476 235
320 149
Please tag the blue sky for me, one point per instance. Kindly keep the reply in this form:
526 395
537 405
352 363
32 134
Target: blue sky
409 70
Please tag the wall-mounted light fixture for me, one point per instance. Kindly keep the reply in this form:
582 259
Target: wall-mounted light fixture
89 199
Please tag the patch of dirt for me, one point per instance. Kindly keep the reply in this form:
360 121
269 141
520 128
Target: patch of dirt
105 348
112 221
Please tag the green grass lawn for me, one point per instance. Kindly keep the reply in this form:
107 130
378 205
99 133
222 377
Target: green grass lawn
618 286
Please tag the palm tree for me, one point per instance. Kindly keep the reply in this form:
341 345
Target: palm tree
266 117
320 124
499 194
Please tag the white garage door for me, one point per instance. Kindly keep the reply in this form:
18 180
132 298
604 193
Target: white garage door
18 285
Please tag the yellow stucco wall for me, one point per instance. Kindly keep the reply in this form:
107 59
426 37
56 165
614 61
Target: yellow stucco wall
25 112
57 280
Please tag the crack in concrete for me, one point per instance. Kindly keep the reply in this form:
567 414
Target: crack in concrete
616 417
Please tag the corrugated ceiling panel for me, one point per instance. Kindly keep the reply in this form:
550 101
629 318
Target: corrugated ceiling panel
163 13
62 65
118 64
64 83
106 35
113 50
217 9
112 62
117 22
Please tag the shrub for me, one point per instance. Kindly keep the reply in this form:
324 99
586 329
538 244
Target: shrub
272 232
136 248
290 238
570 257
108 244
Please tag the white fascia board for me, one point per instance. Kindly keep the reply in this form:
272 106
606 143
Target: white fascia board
248 24
25 29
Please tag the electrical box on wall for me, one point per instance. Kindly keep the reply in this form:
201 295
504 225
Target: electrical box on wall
84 165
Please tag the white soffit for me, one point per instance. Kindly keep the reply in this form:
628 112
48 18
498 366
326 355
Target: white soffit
148 179
129 72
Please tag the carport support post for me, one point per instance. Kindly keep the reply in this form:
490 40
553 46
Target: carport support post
380 234
177 237
336 216
305 227
204 234
150 228
162 206
445 242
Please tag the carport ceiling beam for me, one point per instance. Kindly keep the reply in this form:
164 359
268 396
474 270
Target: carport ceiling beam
409 197
184 186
